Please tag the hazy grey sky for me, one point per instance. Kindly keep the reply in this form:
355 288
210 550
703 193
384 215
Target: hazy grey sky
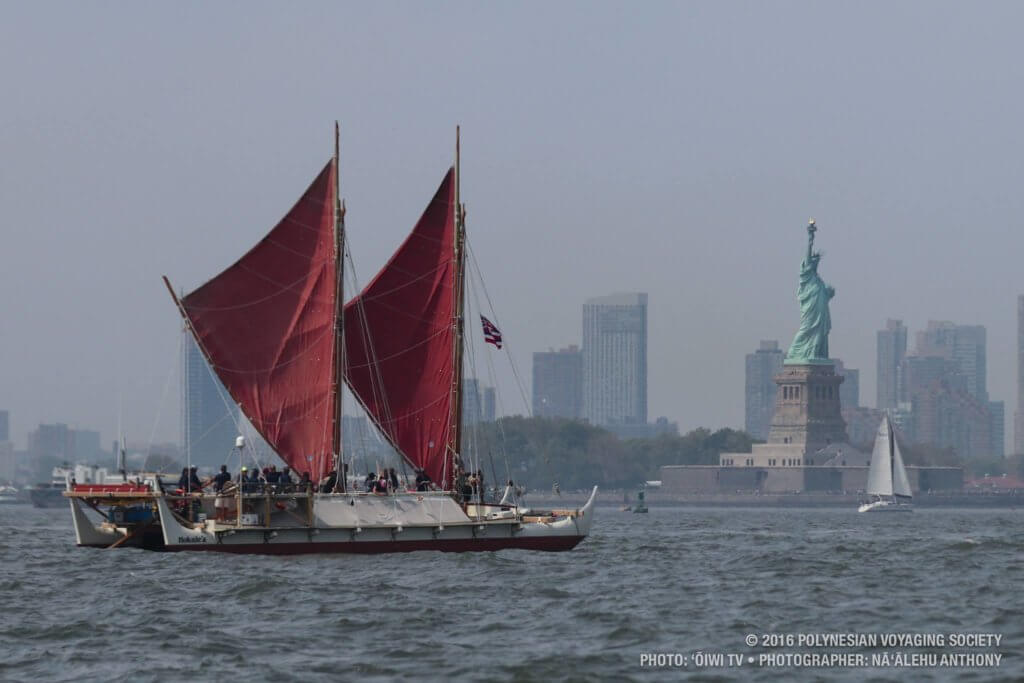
672 148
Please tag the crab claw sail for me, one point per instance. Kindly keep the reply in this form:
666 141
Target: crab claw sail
266 325
400 339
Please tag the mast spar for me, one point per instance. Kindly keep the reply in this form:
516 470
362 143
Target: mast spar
339 317
455 444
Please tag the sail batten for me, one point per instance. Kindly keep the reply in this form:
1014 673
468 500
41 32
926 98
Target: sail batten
264 325
399 337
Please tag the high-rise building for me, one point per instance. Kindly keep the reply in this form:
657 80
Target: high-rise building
64 443
997 413
849 390
471 409
558 383
209 415
1018 417
963 344
5 426
615 359
892 348
761 368
490 401
53 441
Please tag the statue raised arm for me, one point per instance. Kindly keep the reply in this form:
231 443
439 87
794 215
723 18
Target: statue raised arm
811 229
811 341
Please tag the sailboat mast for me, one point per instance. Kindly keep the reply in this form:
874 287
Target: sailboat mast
460 268
339 317
892 458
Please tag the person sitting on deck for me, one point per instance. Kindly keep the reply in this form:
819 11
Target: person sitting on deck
305 483
383 483
273 476
252 482
394 478
222 478
183 479
480 484
370 482
330 482
285 480
422 480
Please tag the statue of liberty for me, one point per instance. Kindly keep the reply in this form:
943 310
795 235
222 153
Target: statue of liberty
810 345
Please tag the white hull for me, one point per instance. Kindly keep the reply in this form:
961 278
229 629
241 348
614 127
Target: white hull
885 506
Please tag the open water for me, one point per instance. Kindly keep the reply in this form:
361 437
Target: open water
677 581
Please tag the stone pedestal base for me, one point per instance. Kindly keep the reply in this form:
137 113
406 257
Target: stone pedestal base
807 410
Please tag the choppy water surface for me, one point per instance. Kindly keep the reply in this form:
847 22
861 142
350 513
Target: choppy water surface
673 581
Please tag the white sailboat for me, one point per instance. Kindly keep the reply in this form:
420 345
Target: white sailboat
888 485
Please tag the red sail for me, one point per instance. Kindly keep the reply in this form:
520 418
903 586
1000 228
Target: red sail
266 324
399 339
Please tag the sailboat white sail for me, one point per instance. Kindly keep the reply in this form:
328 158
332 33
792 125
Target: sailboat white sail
887 485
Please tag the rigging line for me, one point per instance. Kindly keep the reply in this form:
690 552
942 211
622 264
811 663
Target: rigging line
392 268
508 352
493 376
290 288
277 366
396 354
392 309
163 399
379 395
376 387
413 279
304 256
300 224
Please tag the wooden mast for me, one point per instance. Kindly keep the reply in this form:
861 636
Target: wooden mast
339 318
455 443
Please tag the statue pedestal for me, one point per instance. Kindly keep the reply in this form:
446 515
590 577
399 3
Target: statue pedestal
807 410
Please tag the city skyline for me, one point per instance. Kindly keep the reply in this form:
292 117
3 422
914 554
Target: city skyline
697 197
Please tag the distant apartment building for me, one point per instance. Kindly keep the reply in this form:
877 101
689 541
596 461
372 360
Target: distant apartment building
490 404
615 359
209 415
761 368
892 349
945 382
558 383
862 425
64 443
849 390
1018 416
964 345
997 414
8 463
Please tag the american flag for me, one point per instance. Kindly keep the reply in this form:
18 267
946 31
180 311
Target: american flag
492 335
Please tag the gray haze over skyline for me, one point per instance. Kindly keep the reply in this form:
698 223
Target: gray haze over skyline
676 149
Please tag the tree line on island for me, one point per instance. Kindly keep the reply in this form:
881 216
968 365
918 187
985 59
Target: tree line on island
537 452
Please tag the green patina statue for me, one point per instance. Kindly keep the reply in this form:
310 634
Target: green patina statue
810 345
